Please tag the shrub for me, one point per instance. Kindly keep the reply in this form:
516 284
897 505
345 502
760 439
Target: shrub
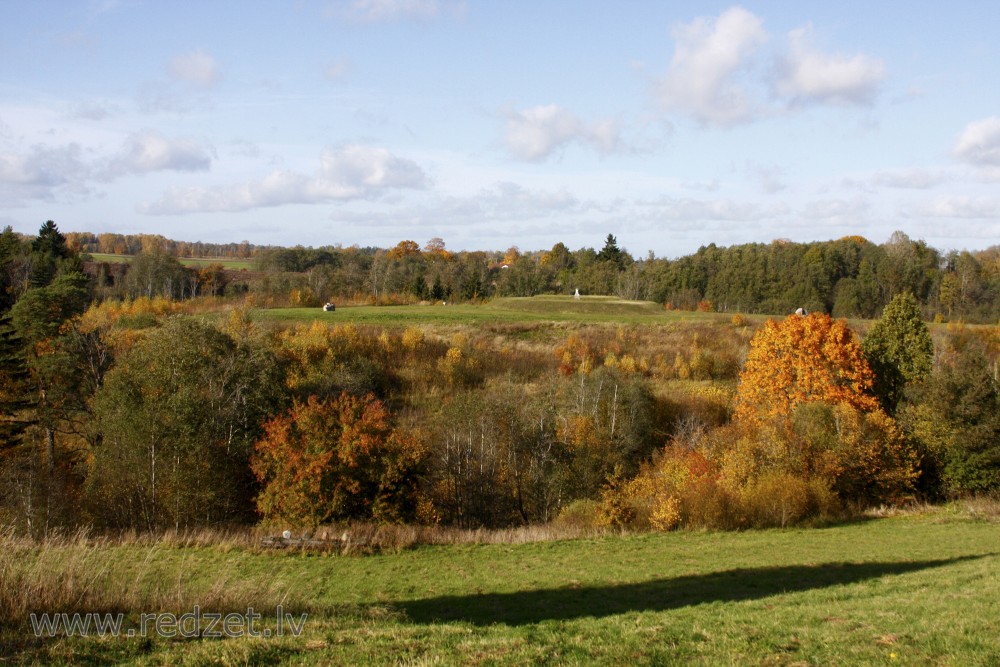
582 514
776 499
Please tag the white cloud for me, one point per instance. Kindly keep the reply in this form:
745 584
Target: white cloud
44 171
196 67
957 207
351 172
709 53
536 133
41 172
719 76
807 75
979 143
150 151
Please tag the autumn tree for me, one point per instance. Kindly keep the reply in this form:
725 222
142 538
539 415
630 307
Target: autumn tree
899 350
324 361
436 248
155 273
405 249
178 418
336 459
799 360
955 416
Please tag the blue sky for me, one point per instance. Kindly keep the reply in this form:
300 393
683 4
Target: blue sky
492 124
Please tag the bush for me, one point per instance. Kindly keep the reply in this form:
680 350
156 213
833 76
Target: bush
776 499
582 514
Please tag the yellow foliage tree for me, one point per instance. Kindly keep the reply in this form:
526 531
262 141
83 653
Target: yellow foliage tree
575 354
801 360
405 249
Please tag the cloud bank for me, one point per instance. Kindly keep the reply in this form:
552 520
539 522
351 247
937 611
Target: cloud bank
351 172
720 77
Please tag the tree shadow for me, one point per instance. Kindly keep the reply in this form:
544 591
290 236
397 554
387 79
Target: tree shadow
572 602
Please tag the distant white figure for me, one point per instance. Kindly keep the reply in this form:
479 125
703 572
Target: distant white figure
576 294
287 534
801 312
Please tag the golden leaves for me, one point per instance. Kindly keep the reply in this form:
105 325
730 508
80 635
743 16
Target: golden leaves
799 360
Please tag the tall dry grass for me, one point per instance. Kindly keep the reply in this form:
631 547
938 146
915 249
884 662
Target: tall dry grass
128 573
357 537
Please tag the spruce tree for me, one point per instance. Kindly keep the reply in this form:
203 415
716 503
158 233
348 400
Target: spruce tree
899 350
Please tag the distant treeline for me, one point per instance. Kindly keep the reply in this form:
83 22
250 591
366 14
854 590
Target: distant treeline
849 277
133 244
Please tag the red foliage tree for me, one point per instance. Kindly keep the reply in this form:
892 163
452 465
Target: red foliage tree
336 459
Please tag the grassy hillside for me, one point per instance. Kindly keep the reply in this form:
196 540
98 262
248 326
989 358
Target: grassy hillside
913 590
548 308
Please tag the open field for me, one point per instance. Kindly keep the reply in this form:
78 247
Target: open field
919 589
231 264
590 309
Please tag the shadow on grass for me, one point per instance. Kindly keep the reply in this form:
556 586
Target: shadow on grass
527 607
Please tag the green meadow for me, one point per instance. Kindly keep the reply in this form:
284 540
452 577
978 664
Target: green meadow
538 309
199 262
914 589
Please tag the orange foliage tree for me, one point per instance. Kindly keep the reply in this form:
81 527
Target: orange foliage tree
336 459
405 249
800 360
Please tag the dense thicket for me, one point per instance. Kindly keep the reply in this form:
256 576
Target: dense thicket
134 414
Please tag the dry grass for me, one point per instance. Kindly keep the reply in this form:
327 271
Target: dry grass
395 537
982 508
119 574
124 573
975 508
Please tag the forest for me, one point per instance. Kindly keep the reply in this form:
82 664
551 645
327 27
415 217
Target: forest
849 277
148 394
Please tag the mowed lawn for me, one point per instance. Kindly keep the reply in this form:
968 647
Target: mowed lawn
589 309
908 590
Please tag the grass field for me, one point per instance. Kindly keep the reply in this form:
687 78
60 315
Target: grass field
909 590
231 264
548 308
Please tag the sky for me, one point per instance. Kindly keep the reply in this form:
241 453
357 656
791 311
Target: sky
493 124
